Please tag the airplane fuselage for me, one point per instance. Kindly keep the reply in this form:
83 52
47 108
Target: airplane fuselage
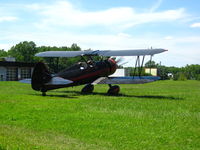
80 73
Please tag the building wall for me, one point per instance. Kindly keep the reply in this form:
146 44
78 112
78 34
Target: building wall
2 74
11 74
24 73
152 71
118 73
15 73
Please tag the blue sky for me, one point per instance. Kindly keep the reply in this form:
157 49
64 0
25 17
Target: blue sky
111 24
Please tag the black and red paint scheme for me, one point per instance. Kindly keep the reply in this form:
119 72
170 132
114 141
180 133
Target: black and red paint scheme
78 74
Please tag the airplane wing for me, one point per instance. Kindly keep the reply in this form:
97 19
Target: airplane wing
53 81
126 80
136 52
28 81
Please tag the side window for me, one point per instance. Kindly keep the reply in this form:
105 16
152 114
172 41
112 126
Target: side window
83 65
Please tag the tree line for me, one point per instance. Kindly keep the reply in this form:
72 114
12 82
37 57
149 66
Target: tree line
189 72
25 52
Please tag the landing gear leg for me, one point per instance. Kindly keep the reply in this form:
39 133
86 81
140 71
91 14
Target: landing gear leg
43 93
88 89
113 90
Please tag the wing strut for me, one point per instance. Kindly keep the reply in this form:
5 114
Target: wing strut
150 63
57 64
138 66
135 69
140 72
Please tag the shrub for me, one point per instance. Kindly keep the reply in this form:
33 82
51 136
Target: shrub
180 77
198 77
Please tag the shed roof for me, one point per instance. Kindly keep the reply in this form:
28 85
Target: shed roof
16 64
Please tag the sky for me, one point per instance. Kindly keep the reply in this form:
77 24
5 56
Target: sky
105 25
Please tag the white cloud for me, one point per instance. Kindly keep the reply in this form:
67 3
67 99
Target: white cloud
195 25
66 14
5 46
124 35
7 18
168 38
56 19
156 5
34 6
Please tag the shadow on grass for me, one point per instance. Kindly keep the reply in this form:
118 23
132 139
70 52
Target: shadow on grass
159 97
78 93
55 95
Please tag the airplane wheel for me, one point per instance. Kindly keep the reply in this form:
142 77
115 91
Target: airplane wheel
88 89
114 90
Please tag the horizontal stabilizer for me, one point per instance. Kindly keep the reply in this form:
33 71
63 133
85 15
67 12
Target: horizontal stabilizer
129 80
58 81
28 81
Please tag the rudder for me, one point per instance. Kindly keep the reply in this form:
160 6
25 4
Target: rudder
40 76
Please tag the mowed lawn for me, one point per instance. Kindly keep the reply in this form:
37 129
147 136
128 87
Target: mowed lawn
159 115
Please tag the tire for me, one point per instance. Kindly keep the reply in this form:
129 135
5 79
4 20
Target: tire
88 89
114 90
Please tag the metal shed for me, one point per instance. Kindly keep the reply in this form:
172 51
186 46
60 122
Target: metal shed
13 71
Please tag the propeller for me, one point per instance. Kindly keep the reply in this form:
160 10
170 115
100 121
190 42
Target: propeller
120 61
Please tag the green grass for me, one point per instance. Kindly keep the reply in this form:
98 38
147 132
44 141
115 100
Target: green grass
159 115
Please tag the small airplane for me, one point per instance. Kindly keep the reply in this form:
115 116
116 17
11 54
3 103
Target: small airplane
89 72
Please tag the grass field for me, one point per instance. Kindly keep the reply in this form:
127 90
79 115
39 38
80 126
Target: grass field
159 115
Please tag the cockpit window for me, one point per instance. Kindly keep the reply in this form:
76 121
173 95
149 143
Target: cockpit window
82 68
82 65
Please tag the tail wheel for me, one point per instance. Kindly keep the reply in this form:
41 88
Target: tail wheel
113 90
43 92
88 89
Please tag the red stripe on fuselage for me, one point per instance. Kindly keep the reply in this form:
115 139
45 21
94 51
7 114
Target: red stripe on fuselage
91 74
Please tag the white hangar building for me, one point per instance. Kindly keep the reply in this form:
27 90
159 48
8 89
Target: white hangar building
10 70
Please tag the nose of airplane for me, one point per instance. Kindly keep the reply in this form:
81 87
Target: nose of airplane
113 65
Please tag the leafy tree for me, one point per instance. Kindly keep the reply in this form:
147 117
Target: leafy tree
75 47
57 64
191 71
180 76
151 64
24 51
163 72
198 77
3 53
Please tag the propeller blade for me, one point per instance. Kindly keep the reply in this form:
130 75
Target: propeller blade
123 63
119 59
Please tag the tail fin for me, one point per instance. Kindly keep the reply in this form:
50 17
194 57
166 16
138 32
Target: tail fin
40 76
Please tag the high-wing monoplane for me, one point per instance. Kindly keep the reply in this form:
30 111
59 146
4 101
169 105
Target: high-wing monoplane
90 72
